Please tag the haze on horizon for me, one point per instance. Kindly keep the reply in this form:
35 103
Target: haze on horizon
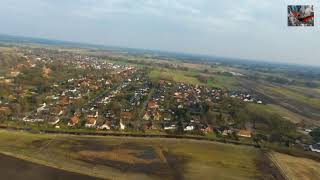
250 29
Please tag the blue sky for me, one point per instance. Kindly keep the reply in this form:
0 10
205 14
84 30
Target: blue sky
253 29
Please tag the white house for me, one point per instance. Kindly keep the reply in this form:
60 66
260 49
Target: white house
122 126
55 121
189 128
172 127
41 108
104 127
315 147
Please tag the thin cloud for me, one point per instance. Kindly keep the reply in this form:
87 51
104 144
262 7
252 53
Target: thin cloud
247 28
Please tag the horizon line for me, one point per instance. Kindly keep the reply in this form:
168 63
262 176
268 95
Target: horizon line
105 46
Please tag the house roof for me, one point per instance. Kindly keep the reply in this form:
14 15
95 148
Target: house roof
64 100
178 95
4 109
157 116
244 133
126 115
146 114
208 129
56 109
91 120
161 82
152 104
74 120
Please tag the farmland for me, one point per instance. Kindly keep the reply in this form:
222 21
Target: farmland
283 112
138 158
223 82
105 93
18 169
297 168
315 102
297 104
177 76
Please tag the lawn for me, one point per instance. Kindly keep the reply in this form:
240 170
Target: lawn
135 158
297 168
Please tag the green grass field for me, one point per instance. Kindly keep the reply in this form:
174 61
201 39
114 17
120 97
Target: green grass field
315 102
217 81
306 90
171 75
283 112
135 158
223 82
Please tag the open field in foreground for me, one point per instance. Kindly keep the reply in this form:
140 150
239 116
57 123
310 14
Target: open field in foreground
297 168
139 158
17 169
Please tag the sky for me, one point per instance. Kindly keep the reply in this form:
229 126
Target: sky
249 29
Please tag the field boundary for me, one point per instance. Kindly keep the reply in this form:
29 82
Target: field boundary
101 134
280 169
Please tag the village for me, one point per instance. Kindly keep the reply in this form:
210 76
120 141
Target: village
154 90
68 91
108 96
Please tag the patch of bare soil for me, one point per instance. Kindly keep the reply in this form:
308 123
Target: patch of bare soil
131 157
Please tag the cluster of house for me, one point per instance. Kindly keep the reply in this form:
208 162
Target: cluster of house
140 92
315 147
157 109
100 115
4 108
16 90
136 87
14 72
50 114
9 78
78 94
246 97
87 98
169 97
160 111
239 132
